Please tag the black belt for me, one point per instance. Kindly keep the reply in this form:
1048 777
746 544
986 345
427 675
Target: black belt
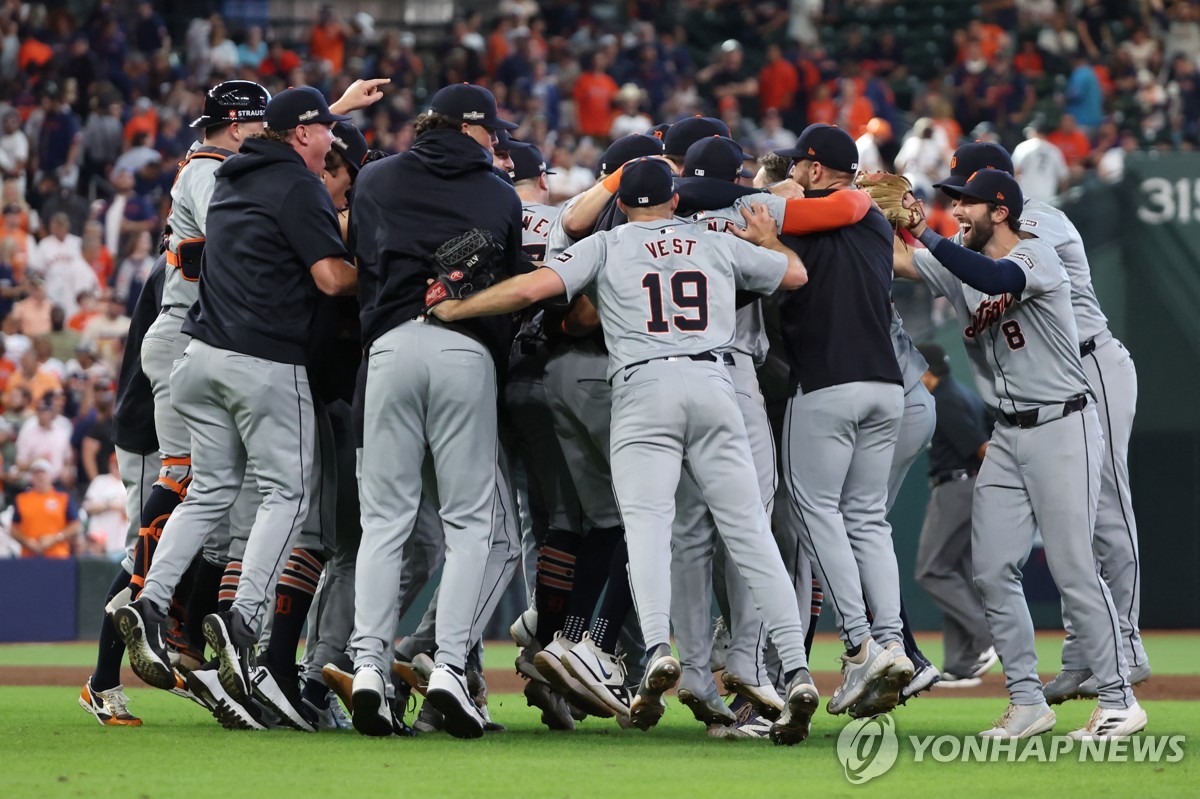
1087 347
711 357
1027 419
951 476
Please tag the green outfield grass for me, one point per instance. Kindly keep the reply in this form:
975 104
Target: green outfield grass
52 748
1170 653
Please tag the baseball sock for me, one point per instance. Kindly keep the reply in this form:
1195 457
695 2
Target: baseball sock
229 585
112 648
203 599
618 601
910 643
591 572
555 578
818 599
159 505
176 633
293 598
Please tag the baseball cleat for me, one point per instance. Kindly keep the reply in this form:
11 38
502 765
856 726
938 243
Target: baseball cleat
925 678
765 698
708 710
232 641
368 703
524 664
429 719
748 724
415 672
341 682
858 672
321 704
883 694
601 674
205 682
1067 684
1090 688
1109 723
802 700
556 715
524 629
720 643
448 693
281 693
140 626
984 663
952 680
662 673
108 707
1022 721
477 686
549 663
119 600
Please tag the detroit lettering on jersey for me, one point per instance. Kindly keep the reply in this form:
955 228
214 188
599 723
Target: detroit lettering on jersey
666 288
1024 351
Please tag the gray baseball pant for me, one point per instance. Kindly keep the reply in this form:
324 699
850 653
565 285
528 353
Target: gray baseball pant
695 543
662 410
916 431
1045 478
138 475
428 386
243 414
1113 376
838 448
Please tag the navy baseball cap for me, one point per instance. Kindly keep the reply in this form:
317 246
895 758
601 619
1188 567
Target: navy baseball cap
828 145
466 102
528 162
646 182
627 148
970 158
715 157
994 186
935 356
659 130
686 132
507 144
349 143
302 105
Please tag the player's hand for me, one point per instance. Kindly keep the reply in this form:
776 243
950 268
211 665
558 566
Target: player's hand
788 189
760 226
360 94
445 310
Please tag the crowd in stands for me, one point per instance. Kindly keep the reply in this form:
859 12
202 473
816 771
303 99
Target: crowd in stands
95 109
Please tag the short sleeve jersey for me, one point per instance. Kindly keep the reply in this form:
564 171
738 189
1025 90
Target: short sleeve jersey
1053 227
666 288
190 196
1024 350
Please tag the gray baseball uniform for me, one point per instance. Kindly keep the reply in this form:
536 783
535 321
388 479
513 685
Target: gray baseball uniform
665 293
1042 469
916 426
138 474
1113 378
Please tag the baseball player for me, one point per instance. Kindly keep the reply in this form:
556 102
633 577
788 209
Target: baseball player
1012 296
250 333
138 460
1112 375
665 295
429 386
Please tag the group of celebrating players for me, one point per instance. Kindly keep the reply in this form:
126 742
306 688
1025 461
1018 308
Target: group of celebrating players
361 368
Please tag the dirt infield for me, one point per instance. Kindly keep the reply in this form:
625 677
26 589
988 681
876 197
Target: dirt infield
1170 686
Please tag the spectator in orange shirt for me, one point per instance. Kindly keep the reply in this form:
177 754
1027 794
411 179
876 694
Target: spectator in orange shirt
95 253
23 245
280 61
45 521
822 109
7 367
144 120
327 42
30 376
1072 141
853 110
594 92
497 44
33 52
778 81
87 311
1029 61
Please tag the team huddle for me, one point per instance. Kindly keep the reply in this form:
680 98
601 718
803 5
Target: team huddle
349 370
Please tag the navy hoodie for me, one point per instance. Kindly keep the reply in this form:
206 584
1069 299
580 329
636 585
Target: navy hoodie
269 221
407 206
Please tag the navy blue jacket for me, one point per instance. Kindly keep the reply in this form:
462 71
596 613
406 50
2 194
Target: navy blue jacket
407 206
133 416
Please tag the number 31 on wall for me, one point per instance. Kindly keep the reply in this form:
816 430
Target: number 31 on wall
1164 201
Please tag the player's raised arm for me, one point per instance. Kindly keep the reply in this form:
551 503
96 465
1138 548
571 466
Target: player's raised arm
760 229
581 216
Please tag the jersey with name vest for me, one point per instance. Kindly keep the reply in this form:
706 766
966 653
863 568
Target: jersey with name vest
188 220
536 221
1053 227
666 288
1028 344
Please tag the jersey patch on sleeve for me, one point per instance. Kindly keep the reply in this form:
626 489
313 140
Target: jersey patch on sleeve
564 257
1023 258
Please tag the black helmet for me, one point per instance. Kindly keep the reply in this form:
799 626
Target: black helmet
233 101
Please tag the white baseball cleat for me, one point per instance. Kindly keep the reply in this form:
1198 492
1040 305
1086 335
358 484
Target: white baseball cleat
1109 723
524 629
765 698
858 673
448 693
1022 721
601 674
984 663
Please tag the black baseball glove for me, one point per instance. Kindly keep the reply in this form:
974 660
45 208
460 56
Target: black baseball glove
463 266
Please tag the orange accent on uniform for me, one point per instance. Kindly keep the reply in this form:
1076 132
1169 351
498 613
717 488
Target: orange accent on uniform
184 461
817 214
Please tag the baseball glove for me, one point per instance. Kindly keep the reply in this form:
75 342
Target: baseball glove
893 194
462 266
